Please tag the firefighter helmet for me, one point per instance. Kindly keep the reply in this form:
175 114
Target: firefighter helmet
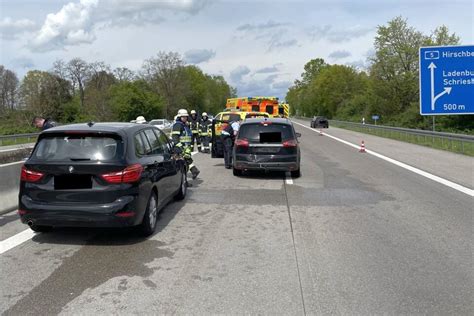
182 112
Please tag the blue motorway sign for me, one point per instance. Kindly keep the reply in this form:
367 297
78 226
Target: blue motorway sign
446 80
375 117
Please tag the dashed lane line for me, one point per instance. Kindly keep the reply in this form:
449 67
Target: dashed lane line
420 172
288 178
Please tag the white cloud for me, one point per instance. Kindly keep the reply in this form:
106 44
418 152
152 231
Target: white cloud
72 25
266 70
272 33
283 85
339 54
358 64
75 23
197 56
327 32
23 63
260 27
237 74
11 29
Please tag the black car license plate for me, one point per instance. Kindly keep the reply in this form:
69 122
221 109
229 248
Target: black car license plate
72 182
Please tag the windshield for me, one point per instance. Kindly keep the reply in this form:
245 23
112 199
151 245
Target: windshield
78 148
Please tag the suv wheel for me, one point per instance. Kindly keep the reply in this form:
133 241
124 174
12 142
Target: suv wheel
296 173
236 172
183 188
148 224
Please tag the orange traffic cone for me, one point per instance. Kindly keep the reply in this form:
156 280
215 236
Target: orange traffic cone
321 132
362 147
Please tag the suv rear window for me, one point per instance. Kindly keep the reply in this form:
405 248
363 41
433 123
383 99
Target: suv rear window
78 148
268 133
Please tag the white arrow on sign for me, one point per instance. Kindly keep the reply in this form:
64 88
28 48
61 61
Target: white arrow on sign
447 90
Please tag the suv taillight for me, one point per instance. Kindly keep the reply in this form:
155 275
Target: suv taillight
290 143
30 175
128 175
242 142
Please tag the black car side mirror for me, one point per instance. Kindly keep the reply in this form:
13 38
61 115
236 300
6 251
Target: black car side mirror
298 134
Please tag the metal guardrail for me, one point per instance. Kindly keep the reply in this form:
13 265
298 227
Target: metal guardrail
453 136
460 143
15 139
31 138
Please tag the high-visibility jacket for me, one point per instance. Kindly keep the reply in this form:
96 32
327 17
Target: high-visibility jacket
181 134
205 127
194 123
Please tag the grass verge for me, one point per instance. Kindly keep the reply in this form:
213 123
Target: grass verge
456 146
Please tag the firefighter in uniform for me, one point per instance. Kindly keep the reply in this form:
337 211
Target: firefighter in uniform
194 124
228 134
205 132
182 136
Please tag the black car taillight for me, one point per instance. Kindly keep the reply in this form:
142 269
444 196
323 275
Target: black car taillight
128 175
242 142
28 175
290 143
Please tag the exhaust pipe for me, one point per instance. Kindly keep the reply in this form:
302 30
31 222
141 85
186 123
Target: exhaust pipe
30 223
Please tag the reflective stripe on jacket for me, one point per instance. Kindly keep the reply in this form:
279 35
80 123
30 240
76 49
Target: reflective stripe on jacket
181 134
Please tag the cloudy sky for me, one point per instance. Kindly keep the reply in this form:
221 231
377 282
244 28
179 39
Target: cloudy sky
260 47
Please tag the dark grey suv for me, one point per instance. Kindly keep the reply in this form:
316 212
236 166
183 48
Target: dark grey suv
267 144
100 175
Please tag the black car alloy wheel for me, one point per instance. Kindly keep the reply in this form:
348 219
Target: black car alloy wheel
183 187
151 214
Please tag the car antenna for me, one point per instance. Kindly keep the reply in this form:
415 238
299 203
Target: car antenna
90 124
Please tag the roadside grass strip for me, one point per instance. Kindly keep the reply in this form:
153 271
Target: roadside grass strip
456 146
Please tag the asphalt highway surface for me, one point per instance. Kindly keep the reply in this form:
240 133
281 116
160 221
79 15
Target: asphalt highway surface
354 234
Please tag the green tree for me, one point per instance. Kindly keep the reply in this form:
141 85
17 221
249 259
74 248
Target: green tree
395 65
97 96
196 90
164 73
441 36
132 99
44 94
312 69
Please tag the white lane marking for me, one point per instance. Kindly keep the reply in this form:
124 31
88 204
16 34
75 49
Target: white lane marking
425 174
16 240
288 179
194 152
11 163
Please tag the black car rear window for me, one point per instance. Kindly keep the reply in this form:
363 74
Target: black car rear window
266 133
78 148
